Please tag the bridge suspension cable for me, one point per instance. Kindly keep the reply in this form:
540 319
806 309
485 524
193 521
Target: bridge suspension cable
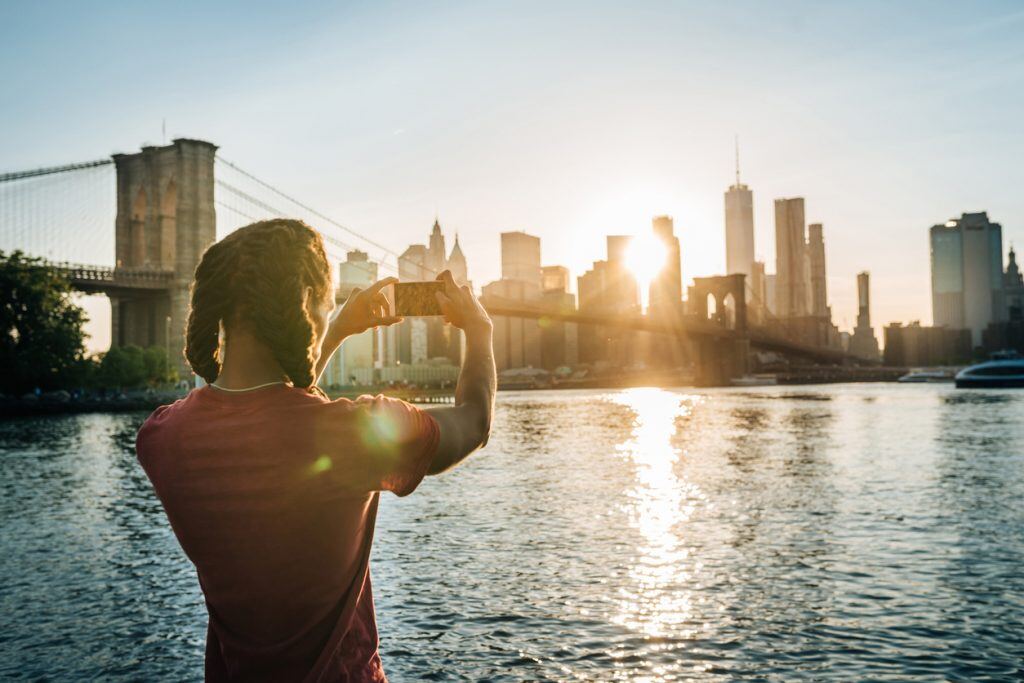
308 208
36 172
62 213
257 207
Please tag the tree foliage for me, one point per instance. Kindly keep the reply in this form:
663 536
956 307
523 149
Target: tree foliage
130 367
42 343
41 339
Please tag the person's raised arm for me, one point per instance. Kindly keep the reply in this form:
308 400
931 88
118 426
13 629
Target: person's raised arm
364 309
466 425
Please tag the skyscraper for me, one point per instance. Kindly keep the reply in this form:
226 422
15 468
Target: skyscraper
1013 288
863 343
739 227
816 258
517 341
622 292
967 273
520 257
792 266
358 354
667 286
558 340
555 278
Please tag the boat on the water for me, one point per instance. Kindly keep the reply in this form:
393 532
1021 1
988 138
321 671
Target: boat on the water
1004 370
919 375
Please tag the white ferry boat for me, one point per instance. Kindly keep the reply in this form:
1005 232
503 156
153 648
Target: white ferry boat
1005 369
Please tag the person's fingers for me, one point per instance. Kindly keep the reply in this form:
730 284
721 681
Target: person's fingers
390 320
449 283
378 310
354 293
381 284
381 300
446 304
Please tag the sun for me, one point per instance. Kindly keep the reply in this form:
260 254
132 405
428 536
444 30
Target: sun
645 257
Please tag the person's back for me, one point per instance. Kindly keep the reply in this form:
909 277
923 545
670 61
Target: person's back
272 489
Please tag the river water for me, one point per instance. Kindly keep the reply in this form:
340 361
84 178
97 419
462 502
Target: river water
845 532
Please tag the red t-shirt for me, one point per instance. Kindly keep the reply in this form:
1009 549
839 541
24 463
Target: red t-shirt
273 496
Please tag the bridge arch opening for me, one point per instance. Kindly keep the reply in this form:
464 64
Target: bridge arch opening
137 229
168 225
712 306
729 311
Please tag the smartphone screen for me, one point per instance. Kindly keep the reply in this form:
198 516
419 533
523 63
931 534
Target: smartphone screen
417 298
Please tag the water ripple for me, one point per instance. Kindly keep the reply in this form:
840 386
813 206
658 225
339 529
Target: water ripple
854 532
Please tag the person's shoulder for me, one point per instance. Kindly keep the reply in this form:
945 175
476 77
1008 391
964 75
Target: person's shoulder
155 425
186 402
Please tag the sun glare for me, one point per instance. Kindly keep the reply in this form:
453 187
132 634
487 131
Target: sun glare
645 258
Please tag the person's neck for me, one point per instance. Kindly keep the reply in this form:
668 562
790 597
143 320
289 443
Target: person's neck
247 362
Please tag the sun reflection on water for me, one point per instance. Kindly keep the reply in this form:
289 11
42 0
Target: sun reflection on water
658 600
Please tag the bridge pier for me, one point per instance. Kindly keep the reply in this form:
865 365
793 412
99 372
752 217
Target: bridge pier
720 360
141 319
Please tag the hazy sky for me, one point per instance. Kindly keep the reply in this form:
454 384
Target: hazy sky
569 120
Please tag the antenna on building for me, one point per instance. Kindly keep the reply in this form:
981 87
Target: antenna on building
737 142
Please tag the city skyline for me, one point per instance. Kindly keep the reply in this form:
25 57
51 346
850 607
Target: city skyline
569 147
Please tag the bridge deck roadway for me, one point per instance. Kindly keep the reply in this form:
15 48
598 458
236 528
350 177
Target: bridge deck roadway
682 328
99 279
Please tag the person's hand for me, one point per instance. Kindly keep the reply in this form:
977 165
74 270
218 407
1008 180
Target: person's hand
461 308
364 308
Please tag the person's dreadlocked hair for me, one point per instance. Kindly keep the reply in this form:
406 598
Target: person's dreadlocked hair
256 277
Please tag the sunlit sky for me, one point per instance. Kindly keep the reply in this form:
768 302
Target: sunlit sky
569 120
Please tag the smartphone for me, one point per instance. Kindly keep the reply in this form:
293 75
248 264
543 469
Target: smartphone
417 298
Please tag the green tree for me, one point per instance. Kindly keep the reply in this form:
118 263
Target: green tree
158 367
122 367
41 339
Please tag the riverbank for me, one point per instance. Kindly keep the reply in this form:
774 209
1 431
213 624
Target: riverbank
60 402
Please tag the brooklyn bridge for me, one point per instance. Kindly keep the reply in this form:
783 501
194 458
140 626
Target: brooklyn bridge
168 203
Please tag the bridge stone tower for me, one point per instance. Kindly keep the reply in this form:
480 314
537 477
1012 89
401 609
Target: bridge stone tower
720 360
165 220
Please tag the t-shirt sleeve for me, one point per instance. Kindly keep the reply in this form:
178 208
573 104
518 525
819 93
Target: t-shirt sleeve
378 443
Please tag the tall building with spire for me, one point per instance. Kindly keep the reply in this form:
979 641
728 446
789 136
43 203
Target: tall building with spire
436 256
1013 289
739 227
457 263
418 340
